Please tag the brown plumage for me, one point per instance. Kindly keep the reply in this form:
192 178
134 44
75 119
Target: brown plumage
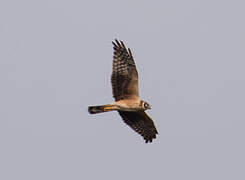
124 76
141 123
124 81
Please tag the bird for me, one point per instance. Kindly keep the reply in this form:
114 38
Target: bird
131 108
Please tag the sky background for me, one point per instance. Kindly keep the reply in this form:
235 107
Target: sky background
56 60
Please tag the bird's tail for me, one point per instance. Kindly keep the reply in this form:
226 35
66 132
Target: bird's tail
101 109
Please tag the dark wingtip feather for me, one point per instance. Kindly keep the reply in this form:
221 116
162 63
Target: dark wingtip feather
149 139
117 42
130 52
123 44
114 43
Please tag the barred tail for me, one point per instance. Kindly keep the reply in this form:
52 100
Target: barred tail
101 109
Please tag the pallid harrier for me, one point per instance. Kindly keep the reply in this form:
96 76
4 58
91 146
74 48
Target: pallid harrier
124 81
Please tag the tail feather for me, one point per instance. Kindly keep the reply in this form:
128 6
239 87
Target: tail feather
100 109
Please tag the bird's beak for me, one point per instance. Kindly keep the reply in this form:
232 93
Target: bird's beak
149 107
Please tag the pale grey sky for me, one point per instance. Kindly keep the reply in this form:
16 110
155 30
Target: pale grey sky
56 59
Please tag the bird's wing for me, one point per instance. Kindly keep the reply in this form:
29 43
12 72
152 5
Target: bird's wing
124 76
141 123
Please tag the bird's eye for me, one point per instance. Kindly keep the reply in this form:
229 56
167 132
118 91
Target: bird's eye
146 105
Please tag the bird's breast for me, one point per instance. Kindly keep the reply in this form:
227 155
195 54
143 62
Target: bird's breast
129 105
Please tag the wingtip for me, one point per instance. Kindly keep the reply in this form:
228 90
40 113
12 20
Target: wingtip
118 43
123 44
130 52
114 44
150 138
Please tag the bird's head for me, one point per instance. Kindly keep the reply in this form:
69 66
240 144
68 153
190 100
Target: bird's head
144 105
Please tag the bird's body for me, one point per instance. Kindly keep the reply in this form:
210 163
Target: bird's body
124 81
129 104
122 105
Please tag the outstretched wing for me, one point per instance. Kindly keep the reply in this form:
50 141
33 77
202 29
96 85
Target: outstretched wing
124 76
141 123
